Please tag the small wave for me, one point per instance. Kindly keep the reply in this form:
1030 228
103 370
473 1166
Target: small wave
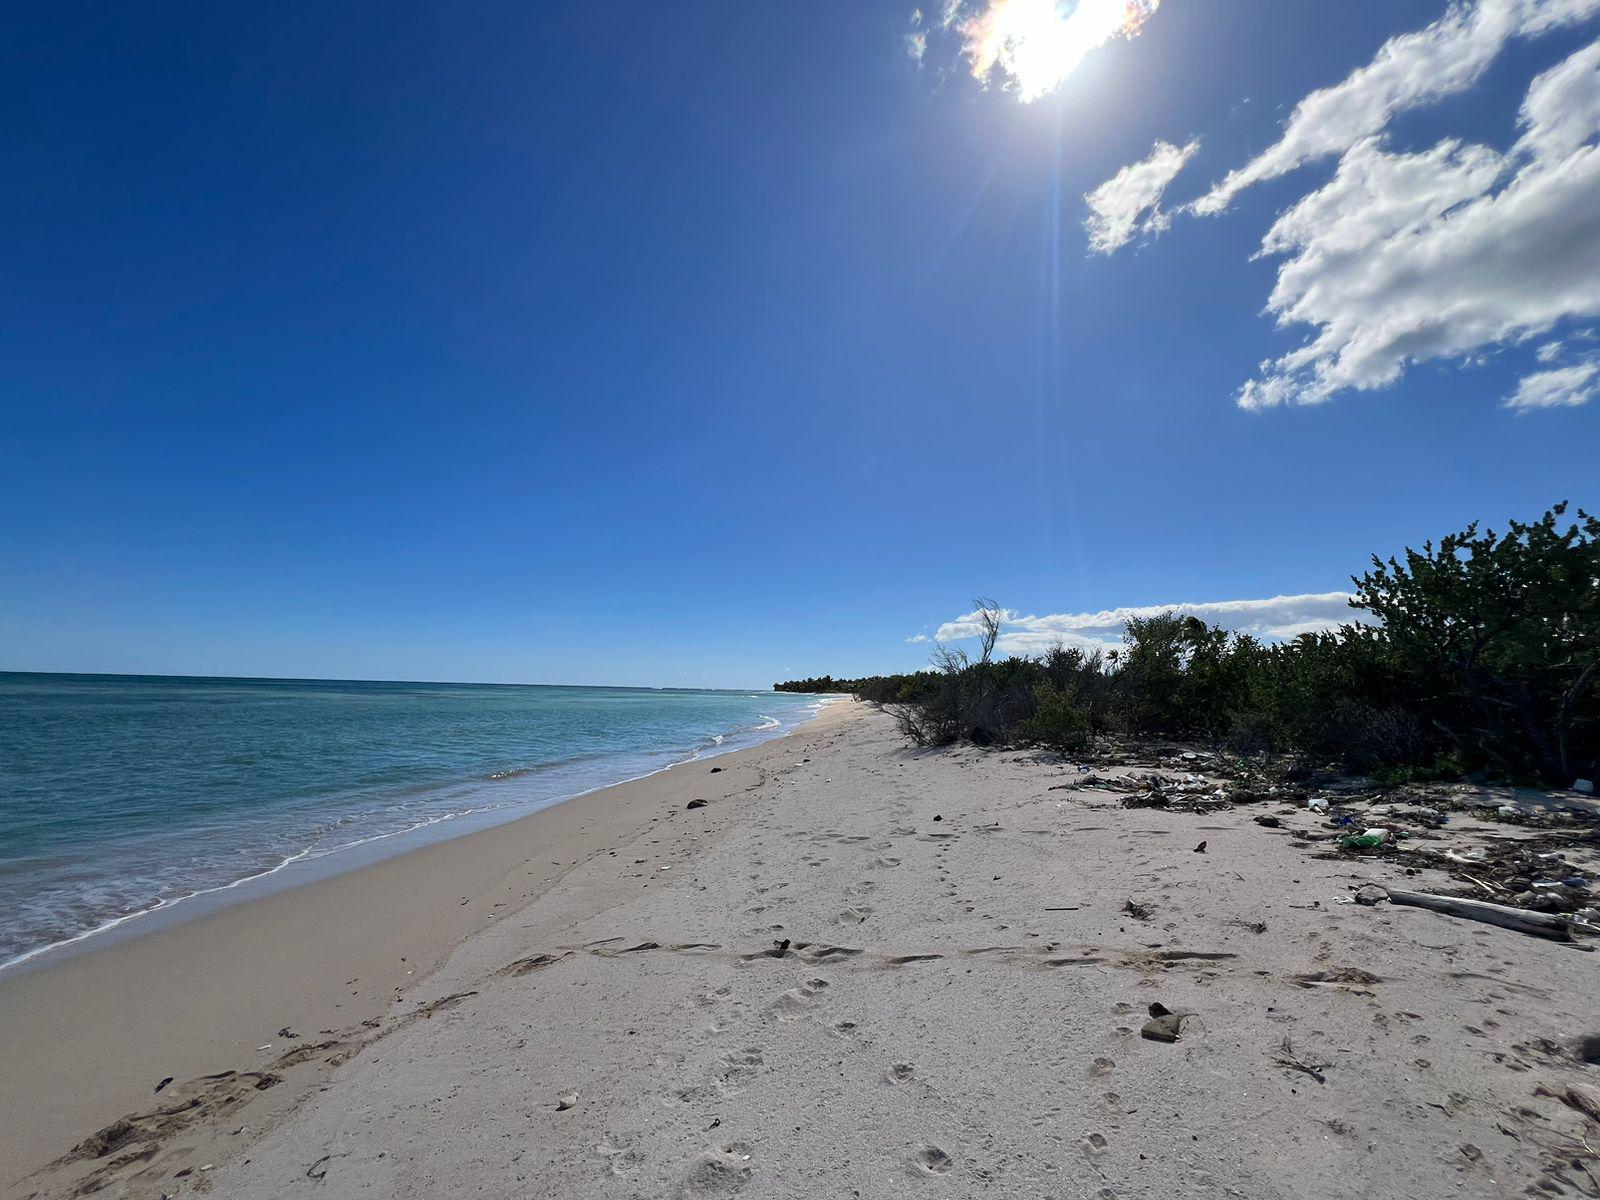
345 832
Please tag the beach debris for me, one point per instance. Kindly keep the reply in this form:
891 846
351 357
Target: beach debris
1287 1058
319 1169
1200 849
1350 978
526 966
1139 912
715 770
563 1103
1371 839
163 1083
1550 925
1579 1098
696 803
937 817
1268 820
286 1033
1165 1024
1589 1048
1586 786
1317 803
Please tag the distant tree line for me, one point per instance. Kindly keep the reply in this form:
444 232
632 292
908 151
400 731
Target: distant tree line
1483 655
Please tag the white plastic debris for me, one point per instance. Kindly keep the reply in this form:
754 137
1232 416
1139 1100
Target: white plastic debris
1317 803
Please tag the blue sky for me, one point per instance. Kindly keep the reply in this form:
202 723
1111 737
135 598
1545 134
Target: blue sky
715 344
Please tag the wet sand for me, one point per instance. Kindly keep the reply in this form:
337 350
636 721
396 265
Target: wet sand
858 969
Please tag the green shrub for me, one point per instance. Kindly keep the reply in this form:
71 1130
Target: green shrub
1057 723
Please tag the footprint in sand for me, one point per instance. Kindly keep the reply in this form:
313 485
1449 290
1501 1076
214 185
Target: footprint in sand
719 1172
1101 1067
797 1001
619 1154
737 1068
930 1160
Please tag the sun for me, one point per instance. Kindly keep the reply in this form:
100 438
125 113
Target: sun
1038 43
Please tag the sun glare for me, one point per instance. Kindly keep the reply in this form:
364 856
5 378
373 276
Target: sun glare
1038 43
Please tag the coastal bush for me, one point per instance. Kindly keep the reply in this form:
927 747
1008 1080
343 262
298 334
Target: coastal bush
1057 723
1478 654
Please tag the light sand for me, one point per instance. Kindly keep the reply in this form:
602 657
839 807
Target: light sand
957 1010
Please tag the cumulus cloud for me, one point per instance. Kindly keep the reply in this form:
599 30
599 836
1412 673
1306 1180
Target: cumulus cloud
1414 69
1129 203
1549 352
1444 253
1276 619
1566 387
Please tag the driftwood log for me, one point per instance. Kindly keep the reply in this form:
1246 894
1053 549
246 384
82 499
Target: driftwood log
1550 925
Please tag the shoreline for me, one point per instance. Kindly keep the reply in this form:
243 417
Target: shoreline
859 968
305 868
206 992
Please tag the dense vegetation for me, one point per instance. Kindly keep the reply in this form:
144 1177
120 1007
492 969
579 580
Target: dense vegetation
1483 655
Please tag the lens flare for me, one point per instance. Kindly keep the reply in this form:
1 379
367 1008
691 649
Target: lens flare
1036 44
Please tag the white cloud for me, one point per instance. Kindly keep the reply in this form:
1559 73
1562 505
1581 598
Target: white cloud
1129 203
917 639
1563 388
1441 254
1409 71
1276 619
1549 352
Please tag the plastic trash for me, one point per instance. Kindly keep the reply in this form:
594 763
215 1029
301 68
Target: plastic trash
1586 786
1372 839
1317 803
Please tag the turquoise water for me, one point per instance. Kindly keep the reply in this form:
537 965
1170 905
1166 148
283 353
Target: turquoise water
120 794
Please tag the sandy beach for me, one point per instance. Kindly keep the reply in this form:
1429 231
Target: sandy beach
857 969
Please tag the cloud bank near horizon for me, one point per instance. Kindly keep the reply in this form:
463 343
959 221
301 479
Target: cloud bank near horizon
1278 618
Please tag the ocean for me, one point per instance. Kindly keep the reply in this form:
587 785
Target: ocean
124 795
